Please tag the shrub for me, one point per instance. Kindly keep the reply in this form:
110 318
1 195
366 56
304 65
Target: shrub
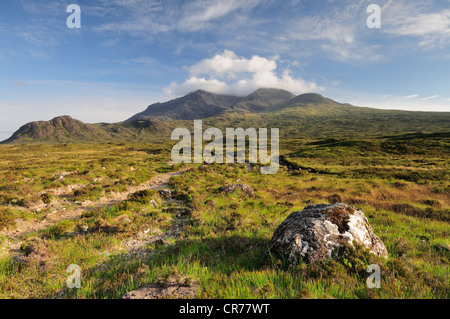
335 198
142 197
46 198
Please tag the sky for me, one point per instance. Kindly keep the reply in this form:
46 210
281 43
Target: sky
128 54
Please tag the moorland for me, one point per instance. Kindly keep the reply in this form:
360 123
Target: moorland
108 198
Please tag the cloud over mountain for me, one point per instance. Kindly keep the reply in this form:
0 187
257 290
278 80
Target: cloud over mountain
227 73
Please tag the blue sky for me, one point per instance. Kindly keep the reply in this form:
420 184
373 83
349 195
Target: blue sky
131 53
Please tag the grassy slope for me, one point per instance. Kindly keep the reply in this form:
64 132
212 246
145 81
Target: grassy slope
401 184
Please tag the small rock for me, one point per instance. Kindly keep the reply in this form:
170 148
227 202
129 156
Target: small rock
246 189
123 219
153 203
165 193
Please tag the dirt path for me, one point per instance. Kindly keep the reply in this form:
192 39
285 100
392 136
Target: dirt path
160 181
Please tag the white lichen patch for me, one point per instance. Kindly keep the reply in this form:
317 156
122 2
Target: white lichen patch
358 230
330 245
347 235
330 227
301 245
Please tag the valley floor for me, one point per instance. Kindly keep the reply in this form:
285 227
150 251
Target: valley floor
129 218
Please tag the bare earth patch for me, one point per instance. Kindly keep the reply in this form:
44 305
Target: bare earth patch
170 288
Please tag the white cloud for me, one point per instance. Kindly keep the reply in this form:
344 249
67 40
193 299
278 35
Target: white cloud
147 18
425 24
228 64
431 98
416 20
390 102
226 73
202 12
337 33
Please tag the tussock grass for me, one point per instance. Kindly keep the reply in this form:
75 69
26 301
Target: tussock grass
220 240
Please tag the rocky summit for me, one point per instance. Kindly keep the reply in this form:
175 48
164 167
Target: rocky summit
201 104
315 233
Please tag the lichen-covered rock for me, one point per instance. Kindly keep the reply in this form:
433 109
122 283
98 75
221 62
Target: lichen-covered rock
315 233
246 189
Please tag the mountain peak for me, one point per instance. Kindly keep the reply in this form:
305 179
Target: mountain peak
265 91
63 117
201 104
313 98
200 92
265 99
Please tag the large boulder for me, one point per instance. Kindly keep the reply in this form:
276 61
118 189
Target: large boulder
315 233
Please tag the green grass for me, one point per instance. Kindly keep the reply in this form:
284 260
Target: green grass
402 188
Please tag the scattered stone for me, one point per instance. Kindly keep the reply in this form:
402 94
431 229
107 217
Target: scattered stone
315 233
124 219
153 203
165 193
246 189
183 213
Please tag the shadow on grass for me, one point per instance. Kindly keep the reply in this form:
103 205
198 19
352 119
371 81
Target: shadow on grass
126 272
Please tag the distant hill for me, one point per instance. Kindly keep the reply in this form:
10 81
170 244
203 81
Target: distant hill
65 129
59 129
304 116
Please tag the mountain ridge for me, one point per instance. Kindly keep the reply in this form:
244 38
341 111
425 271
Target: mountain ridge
308 115
201 104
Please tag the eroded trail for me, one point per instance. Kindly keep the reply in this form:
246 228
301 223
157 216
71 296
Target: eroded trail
23 227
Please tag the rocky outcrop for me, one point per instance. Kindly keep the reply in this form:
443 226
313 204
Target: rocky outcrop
315 233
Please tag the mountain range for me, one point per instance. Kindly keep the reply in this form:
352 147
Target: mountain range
304 116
